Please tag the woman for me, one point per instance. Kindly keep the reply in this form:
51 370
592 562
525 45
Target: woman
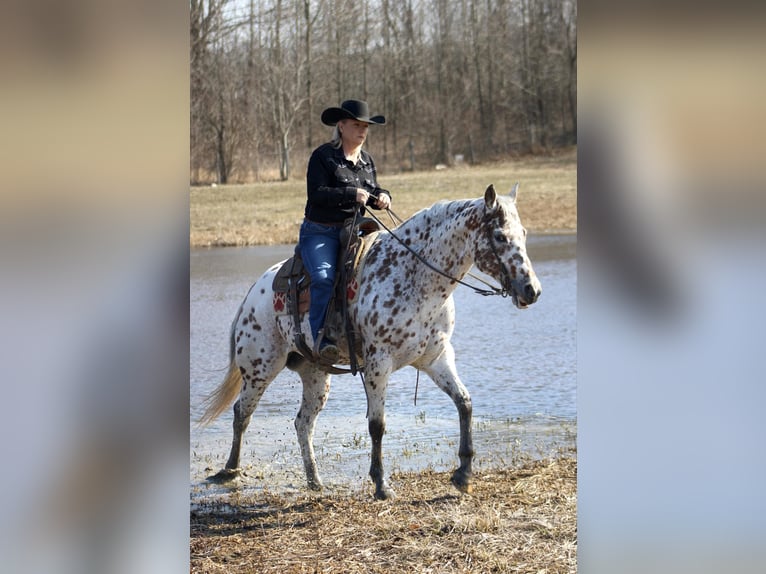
341 180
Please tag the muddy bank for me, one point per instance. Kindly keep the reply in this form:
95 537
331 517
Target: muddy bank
515 520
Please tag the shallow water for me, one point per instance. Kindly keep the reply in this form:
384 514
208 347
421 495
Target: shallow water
519 366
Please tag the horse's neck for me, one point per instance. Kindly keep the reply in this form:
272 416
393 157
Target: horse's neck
441 236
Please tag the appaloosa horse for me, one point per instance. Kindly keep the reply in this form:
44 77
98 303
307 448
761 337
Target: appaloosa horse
403 314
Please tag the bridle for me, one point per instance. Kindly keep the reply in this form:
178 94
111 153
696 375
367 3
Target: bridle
503 290
507 278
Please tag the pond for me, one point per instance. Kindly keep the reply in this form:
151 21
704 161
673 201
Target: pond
518 365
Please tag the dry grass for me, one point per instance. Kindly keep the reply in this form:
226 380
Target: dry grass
516 520
270 213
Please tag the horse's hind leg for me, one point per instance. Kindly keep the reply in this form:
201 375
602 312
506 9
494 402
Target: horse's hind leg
231 470
258 370
444 374
316 389
240 426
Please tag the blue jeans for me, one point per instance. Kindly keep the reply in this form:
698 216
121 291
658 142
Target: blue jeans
319 246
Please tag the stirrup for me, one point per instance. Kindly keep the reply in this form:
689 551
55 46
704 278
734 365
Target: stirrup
327 355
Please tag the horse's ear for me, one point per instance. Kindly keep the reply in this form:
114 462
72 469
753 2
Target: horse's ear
513 191
490 197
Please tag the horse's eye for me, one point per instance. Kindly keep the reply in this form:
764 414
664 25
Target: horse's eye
500 236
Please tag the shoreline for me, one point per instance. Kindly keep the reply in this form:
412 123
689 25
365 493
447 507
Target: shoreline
546 233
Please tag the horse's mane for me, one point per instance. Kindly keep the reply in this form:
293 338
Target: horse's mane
430 224
440 209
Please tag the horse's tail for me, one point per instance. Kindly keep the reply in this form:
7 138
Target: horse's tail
219 400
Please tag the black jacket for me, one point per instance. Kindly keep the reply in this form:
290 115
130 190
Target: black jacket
332 181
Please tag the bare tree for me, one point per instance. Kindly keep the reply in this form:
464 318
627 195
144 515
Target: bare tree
204 21
310 21
284 80
570 21
479 77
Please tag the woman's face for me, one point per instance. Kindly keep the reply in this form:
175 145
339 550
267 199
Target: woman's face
353 132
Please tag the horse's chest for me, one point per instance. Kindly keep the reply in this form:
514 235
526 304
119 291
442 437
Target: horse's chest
395 308
400 321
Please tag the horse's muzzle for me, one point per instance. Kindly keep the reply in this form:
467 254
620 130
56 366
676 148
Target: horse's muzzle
524 293
531 293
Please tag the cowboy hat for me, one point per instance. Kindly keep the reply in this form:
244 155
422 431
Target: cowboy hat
351 109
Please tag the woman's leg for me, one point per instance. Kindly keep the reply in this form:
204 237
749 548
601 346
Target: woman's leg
319 250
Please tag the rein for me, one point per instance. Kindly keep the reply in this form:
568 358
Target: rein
486 292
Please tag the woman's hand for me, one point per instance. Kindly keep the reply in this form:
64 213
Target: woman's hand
362 195
383 201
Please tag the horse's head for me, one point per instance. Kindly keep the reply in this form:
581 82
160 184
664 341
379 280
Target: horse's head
501 250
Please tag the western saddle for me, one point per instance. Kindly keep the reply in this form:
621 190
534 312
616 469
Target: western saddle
292 282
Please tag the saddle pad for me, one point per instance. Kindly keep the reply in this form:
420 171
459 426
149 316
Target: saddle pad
281 302
352 287
367 241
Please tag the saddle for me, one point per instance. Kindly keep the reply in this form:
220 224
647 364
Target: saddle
292 295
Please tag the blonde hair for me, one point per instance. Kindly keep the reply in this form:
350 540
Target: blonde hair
336 140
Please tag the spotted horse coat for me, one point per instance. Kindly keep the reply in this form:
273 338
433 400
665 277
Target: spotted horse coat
404 315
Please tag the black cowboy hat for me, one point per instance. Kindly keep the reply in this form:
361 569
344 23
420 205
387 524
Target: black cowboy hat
351 109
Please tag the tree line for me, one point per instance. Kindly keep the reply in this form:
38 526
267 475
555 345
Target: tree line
458 80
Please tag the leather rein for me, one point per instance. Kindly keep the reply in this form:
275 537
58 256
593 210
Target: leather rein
503 291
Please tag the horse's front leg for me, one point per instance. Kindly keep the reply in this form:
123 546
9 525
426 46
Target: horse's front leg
375 383
316 389
444 374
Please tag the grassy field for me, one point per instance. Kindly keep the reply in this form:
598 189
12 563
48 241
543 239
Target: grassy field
271 213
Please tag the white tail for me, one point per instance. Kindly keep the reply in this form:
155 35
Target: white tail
219 400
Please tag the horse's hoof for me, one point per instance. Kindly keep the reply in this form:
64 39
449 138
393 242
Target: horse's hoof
315 485
462 483
464 488
384 493
225 475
